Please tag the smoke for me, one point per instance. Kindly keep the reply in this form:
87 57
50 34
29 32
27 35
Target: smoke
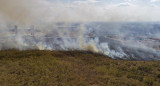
37 11
119 31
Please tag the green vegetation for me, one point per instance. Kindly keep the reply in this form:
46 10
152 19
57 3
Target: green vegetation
74 68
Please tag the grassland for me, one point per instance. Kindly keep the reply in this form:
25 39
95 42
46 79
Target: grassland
74 68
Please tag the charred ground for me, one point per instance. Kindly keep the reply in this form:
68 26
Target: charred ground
74 68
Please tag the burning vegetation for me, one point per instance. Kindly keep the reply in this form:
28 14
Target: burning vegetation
105 38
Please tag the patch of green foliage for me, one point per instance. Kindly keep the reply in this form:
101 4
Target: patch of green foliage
74 68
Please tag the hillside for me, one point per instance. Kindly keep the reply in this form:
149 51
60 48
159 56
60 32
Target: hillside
74 68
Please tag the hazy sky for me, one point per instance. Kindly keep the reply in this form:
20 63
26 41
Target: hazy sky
140 2
79 10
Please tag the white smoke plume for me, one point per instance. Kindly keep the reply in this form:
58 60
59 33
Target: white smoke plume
48 25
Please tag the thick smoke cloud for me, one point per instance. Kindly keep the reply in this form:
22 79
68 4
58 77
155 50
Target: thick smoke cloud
119 31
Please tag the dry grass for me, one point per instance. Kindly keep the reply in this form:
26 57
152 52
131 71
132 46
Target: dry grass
74 68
